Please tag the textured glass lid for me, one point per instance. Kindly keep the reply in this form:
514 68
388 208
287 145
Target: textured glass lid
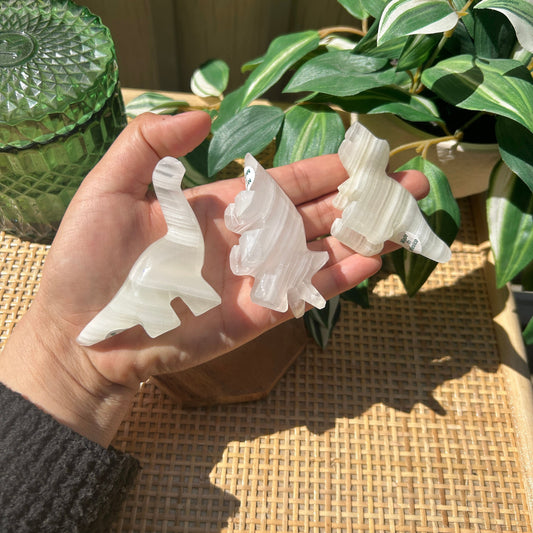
57 68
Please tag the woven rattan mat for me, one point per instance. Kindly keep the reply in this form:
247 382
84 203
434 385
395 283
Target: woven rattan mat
403 424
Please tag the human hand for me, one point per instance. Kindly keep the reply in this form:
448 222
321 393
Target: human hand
110 221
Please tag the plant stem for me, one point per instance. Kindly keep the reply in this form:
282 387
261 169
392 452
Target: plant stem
324 32
417 87
464 11
422 147
411 77
437 50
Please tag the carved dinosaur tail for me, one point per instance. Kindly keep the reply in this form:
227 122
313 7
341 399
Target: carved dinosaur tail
127 309
421 239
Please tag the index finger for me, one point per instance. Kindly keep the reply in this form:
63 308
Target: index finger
310 178
302 181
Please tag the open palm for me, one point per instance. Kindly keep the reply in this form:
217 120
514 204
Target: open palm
114 217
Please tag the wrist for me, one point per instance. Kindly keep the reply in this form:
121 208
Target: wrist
43 362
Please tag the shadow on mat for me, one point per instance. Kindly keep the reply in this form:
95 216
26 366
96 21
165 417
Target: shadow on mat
437 336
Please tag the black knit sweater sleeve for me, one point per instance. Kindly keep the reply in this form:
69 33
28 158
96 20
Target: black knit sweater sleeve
53 479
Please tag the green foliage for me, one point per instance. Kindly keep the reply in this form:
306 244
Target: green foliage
341 73
358 295
320 322
374 7
281 55
416 50
424 61
210 78
510 219
308 131
401 18
502 87
355 8
516 142
154 103
519 14
195 164
240 135
389 99
368 45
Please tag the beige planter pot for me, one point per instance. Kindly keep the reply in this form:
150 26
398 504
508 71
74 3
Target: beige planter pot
466 165
245 374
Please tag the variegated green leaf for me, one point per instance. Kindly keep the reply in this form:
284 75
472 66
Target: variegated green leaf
354 7
388 99
250 130
460 42
153 103
519 13
320 322
336 42
195 164
266 70
521 54
282 53
515 143
409 17
358 295
510 219
494 35
229 107
252 64
341 73
442 213
417 51
210 78
500 86
374 7
368 45
467 20
308 131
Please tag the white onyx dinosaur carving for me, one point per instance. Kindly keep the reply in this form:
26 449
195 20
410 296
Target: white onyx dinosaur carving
375 207
169 268
272 247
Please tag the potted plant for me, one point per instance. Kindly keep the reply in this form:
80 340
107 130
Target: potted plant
456 71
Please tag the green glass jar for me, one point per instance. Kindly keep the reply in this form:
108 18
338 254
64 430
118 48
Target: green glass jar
60 109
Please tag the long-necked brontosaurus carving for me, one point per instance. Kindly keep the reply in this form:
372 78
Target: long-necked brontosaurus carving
167 269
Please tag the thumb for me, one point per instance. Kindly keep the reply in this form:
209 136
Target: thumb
128 164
